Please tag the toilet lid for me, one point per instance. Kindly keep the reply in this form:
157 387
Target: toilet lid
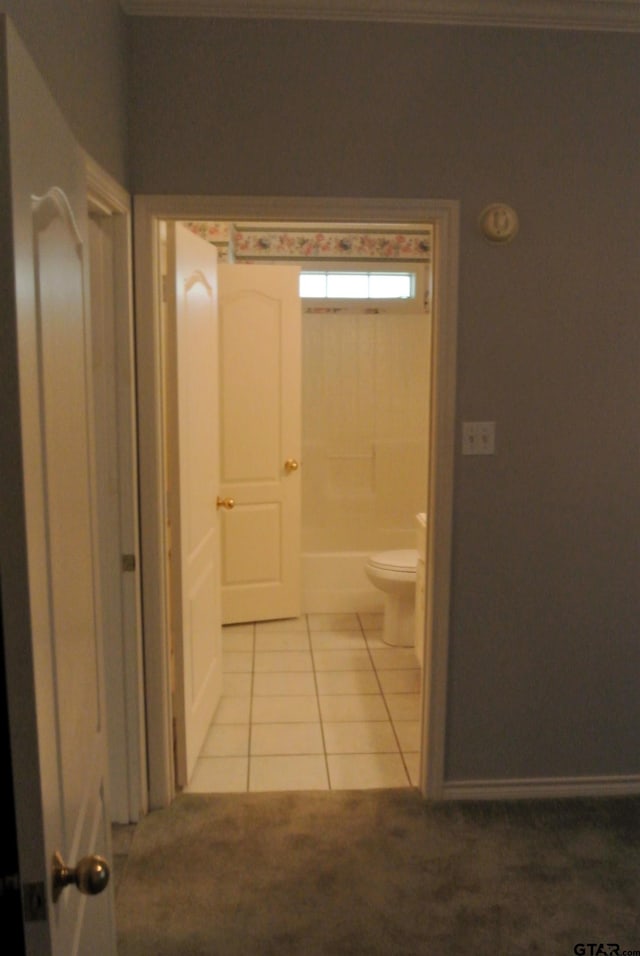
404 560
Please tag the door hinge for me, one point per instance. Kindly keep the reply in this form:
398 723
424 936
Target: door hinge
34 902
165 288
128 562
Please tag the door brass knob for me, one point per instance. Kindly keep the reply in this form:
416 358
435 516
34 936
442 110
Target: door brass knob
227 503
291 465
91 875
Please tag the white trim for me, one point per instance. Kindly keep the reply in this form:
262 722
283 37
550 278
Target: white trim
542 788
107 198
149 364
149 211
104 191
605 15
435 651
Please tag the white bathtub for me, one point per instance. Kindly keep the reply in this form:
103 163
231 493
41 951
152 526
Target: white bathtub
335 582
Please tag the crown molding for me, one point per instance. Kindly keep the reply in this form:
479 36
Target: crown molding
621 16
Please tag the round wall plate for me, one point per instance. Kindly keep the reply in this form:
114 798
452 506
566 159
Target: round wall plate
499 222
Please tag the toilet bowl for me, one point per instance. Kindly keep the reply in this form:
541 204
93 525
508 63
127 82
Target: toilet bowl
394 573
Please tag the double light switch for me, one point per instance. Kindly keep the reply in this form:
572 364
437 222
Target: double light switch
478 438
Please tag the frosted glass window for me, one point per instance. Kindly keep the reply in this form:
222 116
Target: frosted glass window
390 285
347 285
357 285
313 285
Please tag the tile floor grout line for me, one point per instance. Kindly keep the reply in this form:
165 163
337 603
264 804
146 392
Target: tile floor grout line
253 671
315 681
391 721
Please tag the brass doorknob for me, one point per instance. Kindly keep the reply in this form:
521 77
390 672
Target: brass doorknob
227 503
91 875
291 465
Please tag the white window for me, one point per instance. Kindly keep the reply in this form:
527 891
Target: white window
363 286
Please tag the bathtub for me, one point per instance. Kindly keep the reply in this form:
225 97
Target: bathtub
335 582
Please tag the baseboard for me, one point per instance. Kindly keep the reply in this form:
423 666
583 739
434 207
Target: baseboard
541 788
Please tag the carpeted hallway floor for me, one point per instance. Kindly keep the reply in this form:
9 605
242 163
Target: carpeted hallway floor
379 873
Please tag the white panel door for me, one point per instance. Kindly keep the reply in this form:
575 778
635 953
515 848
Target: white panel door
193 476
260 382
50 594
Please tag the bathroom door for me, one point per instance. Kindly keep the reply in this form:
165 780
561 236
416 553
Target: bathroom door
260 440
48 543
193 471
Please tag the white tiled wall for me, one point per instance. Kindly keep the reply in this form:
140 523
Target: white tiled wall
365 419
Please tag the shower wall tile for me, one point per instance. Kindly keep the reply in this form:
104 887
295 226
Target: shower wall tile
365 421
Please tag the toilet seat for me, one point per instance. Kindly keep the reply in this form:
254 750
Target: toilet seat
404 561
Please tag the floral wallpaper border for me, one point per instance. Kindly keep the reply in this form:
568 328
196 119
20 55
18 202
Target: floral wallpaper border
240 243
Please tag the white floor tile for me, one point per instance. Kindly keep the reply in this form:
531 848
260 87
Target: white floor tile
233 710
226 740
279 684
374 640
352 707
360 737
284 661
413 766
403 706
272 739
307 669
333 622
355 660
237 685
400 682
371 620
394 658
277 710
288 773
338 641
237 638
366 771
237 662
285 641
347 682
220 775
408 732
283 626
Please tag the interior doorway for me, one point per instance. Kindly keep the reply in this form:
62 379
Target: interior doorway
444 218
324 366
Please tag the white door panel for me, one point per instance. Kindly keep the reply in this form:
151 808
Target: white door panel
49 576
260 356
193 477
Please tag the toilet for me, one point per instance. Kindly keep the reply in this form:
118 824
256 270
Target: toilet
394 573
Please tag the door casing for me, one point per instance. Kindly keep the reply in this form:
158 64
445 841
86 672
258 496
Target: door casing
150 211
111 204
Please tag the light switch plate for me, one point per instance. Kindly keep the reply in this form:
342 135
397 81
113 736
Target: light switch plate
478 438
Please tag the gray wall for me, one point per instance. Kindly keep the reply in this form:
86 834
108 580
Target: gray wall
545 656
79 47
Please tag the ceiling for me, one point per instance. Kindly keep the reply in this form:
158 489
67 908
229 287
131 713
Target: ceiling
609 15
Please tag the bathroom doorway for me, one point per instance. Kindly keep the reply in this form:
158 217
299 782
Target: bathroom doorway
443 217
325 335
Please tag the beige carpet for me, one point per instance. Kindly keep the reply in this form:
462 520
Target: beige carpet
380 874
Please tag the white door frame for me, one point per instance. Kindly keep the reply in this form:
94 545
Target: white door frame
149 212
123 663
